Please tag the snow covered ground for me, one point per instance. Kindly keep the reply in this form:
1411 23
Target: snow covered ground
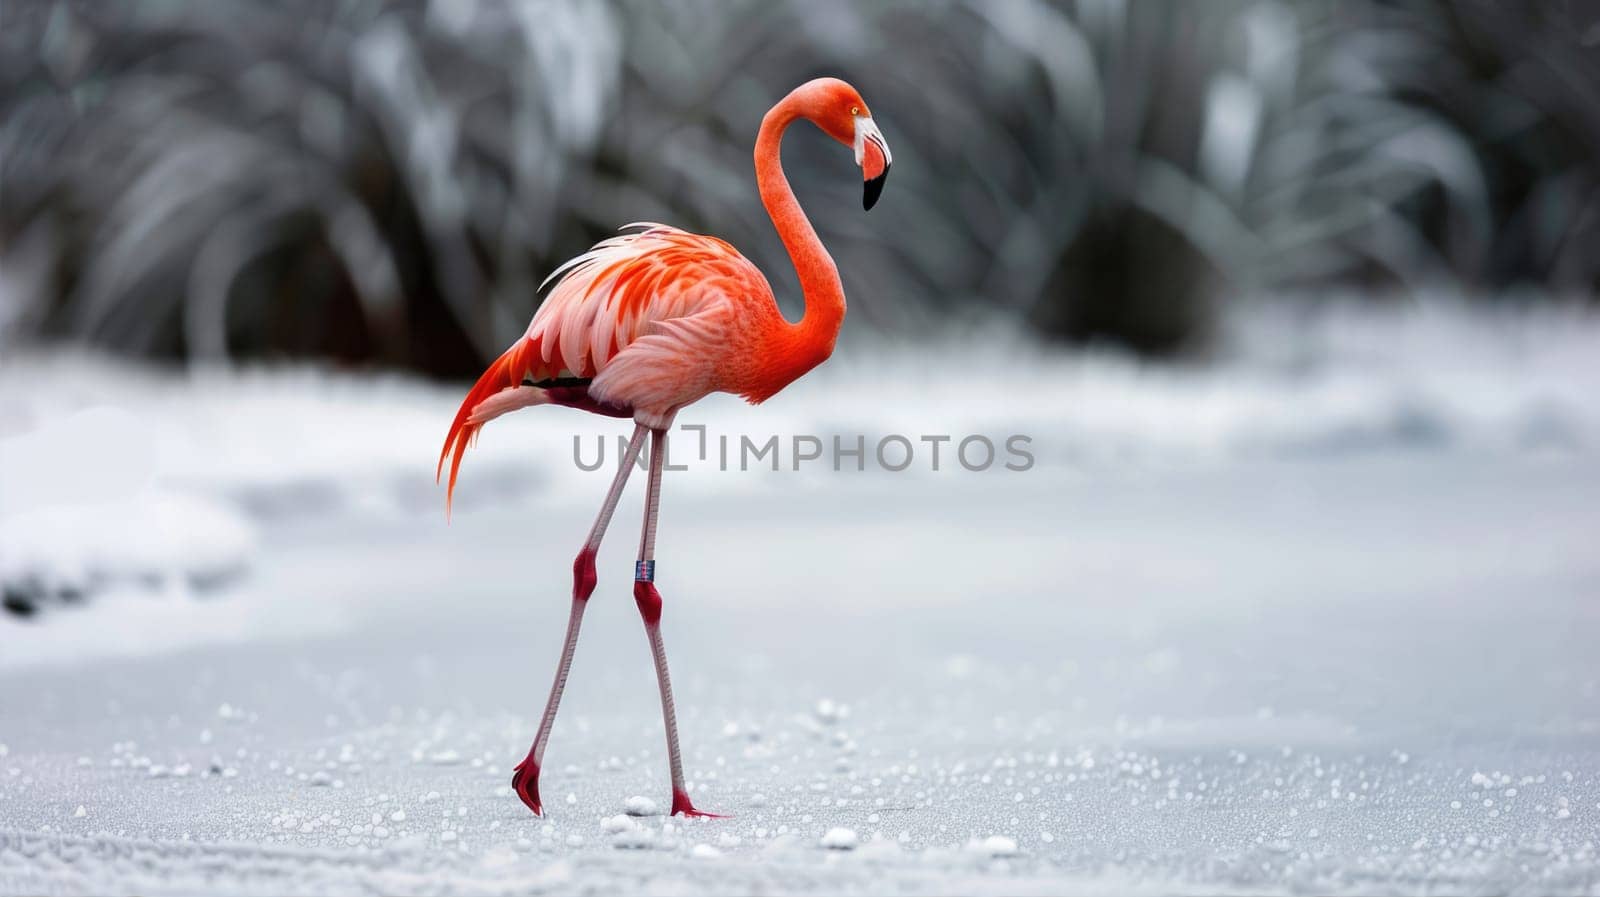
1318 617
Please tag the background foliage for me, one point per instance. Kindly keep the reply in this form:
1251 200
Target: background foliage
387 182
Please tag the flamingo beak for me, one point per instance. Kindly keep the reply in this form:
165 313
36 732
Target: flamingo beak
872 154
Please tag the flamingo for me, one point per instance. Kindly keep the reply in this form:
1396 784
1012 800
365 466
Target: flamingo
657 318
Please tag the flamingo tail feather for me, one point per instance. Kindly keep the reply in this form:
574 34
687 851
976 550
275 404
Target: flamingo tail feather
497 392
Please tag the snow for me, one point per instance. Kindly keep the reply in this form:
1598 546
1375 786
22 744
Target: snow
829 712
78 519
840 839
636 838
639 805
1317 616
994 846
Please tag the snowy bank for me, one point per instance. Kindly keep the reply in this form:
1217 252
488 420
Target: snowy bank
117 473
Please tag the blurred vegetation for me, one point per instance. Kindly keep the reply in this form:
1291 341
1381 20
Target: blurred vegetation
388 182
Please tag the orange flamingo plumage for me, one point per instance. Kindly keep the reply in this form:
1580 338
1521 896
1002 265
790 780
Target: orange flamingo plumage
652 320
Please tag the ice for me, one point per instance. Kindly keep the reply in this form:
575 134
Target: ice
704 852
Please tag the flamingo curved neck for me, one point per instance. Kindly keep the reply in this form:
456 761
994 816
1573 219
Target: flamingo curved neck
810 341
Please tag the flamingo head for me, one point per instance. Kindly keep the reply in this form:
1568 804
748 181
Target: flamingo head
838 109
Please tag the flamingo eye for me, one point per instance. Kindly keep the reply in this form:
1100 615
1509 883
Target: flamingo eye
855 110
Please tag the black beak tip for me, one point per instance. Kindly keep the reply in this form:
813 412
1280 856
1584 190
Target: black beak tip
874 189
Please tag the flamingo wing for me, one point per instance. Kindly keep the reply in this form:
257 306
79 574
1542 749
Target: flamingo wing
639 294
641 314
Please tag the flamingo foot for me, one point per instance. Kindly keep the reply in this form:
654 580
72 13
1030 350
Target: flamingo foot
526 783
681 804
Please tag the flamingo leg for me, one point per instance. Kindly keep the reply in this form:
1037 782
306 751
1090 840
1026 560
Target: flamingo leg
525 781
649 602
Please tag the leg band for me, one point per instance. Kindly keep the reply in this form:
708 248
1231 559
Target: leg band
644 571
